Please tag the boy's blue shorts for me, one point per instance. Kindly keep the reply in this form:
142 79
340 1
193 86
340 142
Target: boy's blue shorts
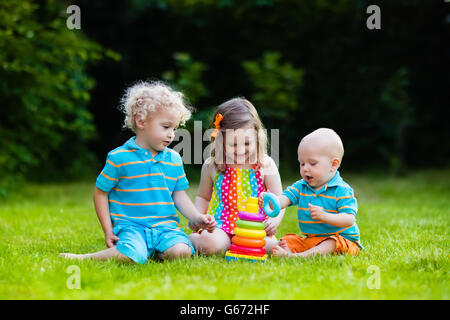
140 243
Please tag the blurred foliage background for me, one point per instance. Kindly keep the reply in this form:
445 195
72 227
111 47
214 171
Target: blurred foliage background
304 64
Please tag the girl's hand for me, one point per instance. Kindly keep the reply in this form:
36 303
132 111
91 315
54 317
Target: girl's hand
260 199
193 226
111 239
271 226
205 221
210 222
316 212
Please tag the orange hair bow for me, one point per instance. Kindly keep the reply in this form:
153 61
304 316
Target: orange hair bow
219 118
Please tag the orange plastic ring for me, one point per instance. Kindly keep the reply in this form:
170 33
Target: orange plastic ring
247 242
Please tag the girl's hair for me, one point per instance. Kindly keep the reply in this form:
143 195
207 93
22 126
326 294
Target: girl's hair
238 113
143 98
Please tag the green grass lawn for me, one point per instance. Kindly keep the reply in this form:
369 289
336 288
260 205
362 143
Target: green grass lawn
404 224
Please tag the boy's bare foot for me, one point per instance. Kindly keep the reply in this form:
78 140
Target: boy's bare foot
100 255
73 256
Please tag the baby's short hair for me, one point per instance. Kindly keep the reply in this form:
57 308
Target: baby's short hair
143 98
329 139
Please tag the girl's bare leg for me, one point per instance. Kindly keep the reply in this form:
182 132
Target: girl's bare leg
210 243
110 253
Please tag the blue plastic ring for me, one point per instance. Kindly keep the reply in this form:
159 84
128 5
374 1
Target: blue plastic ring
271 198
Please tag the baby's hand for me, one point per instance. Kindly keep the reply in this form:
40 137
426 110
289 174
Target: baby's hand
111 239
316 212
260 199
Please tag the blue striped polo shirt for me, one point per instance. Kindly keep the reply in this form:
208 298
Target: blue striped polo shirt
335 197
140 185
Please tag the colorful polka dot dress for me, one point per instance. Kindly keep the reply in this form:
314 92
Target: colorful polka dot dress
230 193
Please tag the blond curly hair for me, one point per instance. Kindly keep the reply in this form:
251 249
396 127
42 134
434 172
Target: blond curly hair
143 98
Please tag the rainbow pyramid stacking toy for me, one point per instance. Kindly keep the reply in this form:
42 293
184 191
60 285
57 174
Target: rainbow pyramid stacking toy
248 241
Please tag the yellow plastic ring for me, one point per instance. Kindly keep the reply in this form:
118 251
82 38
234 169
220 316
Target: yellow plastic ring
248 233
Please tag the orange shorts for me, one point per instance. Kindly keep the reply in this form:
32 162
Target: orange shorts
299 244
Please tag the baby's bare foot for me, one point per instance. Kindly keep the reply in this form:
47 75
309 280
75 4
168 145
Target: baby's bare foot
278 251
284 245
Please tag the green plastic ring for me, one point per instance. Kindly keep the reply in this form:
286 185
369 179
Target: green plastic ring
254 225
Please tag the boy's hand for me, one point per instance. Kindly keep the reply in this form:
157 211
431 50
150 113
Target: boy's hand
205 221
260 199
316 212
111 239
